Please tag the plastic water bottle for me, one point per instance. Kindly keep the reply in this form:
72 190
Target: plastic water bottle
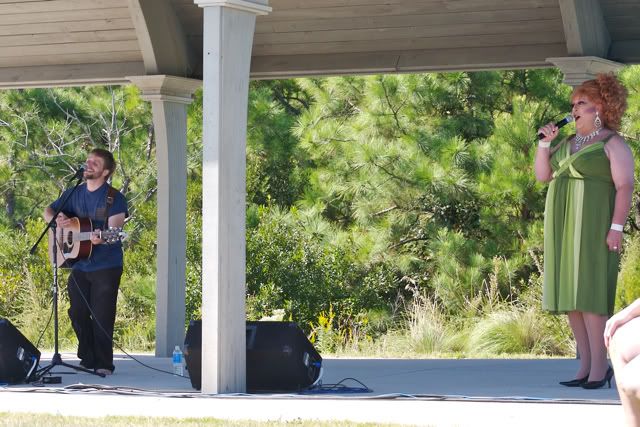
177 361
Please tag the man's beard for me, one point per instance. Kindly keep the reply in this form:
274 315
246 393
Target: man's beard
92 175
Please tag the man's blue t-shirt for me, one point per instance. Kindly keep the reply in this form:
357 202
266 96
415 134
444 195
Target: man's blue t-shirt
87 204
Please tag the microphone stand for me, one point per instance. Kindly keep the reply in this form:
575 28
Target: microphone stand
56 360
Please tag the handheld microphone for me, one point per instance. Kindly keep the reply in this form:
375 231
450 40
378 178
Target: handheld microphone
567 119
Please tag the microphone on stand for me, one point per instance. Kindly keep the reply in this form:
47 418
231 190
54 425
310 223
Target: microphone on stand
567 119
79 173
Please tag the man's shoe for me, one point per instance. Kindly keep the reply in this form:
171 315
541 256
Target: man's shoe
87 365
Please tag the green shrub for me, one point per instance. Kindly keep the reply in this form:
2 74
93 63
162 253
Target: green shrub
290 269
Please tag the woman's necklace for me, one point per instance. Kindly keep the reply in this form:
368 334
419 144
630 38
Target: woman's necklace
583 139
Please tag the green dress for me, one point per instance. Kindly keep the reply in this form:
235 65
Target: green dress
580 272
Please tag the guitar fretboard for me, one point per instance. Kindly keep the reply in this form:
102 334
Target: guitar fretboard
82 236
86 235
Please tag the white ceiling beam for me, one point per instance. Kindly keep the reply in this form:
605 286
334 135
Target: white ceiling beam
69 75
163 43
429 60
584 28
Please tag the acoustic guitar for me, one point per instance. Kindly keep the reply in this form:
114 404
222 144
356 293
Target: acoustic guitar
74 241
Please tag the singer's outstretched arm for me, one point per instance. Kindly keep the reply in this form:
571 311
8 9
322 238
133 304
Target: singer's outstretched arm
542 166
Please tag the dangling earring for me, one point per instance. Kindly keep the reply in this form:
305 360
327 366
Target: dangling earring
597 122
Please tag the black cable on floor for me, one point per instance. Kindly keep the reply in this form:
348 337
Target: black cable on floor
112 341
338 387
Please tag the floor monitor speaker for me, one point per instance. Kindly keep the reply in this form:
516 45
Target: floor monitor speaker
18 357
279 357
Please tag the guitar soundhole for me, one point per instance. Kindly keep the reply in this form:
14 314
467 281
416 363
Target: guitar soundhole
69 240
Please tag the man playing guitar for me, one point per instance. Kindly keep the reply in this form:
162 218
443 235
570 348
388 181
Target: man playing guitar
93 283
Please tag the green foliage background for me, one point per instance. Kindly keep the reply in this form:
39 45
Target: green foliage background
390 214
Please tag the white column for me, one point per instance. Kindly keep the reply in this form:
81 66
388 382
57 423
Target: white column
228 38
170 97
578 69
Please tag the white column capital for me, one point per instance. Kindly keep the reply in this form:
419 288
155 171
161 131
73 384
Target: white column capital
258 7
166 88
578 69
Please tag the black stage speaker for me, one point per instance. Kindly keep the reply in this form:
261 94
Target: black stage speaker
279 357
193 353
18 357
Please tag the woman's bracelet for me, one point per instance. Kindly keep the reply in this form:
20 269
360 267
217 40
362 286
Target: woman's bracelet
617 227
544 144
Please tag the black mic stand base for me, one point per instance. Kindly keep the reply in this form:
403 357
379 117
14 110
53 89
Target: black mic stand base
56 360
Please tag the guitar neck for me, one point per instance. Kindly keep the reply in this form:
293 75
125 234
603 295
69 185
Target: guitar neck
82 236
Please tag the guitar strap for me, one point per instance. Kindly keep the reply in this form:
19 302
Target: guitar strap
104 212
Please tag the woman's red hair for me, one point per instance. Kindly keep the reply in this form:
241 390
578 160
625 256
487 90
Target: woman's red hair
607 91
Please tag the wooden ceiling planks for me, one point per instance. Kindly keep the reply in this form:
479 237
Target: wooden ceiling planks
67 40
300 9
622 18
339 36
397 33
70 59
80 26
314 37
17 7
297 27
399 21
410 43
66 31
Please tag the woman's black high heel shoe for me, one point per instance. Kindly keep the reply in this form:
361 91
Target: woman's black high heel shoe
590 385
575 383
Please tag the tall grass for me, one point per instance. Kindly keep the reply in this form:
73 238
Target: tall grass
488 324
427 329
36 321
512 330
135 320
427 332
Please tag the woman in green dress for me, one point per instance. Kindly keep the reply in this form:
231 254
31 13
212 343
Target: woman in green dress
591 183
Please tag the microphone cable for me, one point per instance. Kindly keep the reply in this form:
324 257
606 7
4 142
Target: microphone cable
101 327
45 327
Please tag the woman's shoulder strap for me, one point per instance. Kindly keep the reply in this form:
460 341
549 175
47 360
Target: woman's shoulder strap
608 138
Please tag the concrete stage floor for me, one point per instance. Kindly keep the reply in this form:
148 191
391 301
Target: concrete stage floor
431 392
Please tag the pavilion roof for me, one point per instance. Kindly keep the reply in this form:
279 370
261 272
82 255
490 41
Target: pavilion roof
73 42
